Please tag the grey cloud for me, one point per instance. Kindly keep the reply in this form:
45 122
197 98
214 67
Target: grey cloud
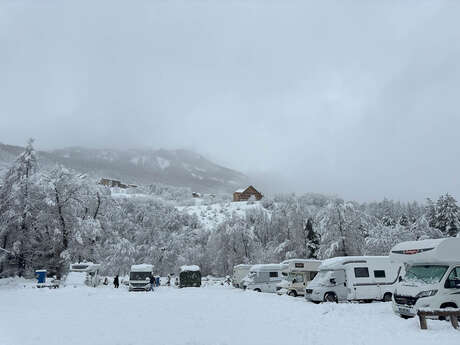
357 98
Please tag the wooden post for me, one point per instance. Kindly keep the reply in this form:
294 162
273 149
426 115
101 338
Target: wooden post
454 321
422 318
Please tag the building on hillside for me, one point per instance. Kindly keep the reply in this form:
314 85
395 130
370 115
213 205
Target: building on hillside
246 193
115 183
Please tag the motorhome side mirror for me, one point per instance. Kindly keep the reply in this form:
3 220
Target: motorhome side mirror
332 280
294 281
400 279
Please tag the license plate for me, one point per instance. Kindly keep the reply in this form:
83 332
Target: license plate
405 311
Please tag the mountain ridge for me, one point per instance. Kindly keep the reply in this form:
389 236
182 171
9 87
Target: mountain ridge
180 167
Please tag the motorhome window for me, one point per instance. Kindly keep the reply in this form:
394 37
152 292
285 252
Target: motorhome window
313 275
298 278
273 274
427 274
379 274
454 276
361 272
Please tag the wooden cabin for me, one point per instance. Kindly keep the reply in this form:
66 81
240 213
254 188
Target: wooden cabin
246 194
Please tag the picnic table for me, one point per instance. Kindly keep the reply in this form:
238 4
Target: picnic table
452 313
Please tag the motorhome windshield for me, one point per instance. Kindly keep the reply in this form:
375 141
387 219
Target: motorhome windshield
139 275
324 276
252 275
428 274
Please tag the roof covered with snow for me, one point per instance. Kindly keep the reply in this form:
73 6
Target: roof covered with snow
267 267
142 268
445 250
241 190
189 268
335 263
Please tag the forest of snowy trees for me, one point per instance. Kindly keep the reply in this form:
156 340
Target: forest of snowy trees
50 218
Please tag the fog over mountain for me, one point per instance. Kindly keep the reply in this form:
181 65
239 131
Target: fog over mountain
180 168
354 98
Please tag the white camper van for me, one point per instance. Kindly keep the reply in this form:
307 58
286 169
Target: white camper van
83 273
263 278
239 272
139 277
432 278
354 278
297 273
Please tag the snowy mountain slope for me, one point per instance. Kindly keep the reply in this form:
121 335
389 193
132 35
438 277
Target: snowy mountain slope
141 166
212 215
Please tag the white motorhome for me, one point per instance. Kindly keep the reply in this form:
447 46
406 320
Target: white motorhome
239 272
139 277
263 278
354 278
432 277
297 273
83 273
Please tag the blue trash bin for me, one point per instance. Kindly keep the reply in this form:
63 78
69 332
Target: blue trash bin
41 276
157 281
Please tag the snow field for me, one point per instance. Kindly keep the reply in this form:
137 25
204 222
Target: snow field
212 315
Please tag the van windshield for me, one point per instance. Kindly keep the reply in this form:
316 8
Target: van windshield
428 274
139 275
323 277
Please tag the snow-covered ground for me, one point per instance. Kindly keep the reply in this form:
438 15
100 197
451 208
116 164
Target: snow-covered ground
210 315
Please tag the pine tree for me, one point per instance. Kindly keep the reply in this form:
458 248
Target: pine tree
313 240
447 215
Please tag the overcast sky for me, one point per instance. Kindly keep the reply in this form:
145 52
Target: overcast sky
354 98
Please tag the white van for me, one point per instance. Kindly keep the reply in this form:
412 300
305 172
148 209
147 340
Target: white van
354 278
83 273
139 277
297 273
263 278
432 278
239 272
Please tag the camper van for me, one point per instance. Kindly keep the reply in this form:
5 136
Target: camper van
263 278
83 273
190 276
139 277
239 272
297 273
432 277
354 278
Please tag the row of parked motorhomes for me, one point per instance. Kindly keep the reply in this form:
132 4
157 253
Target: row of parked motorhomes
416 274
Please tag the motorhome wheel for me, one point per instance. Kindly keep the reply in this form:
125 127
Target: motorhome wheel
257 290
292 293
447 305
330 297
406 317
387 297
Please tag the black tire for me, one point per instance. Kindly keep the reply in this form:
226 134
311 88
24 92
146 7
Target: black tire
257 290
406 317
387 297
292 293
446 305
330 297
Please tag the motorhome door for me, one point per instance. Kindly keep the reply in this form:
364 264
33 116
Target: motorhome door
364 287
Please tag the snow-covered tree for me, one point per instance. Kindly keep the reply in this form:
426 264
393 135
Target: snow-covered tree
447 215
313 244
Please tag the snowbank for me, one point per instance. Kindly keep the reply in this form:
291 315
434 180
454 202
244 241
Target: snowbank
201 316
